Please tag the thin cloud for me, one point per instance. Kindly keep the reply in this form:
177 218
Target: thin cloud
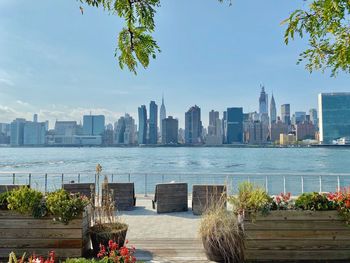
22 103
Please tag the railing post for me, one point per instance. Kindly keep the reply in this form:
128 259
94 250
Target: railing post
13 178
112 178
284 185
162 178
302 184
129 177
320 178
45 183
338 183
145 185
79 178
30 180
266 185
62 180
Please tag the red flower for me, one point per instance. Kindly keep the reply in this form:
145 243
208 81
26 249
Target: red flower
124 251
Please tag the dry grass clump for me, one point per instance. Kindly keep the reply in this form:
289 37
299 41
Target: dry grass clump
222 235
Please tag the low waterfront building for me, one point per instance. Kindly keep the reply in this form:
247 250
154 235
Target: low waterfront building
288 139
276 129
305 130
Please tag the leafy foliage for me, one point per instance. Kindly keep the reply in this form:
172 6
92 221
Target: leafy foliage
314 201
24 200
250 199
64 206
327 24
3 200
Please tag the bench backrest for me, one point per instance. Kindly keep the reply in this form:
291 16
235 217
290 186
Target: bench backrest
123 195
10 187
171 197
206 196
82 188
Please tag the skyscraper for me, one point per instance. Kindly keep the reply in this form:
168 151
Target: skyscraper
153 123
119 129
142 135
263 101
93 125
213 116
193 126
162 115
273 111
300 117
334 116
170 130
313 117
234 125
34 133
17 132
285 113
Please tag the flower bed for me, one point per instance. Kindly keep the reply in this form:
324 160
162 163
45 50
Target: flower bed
31 222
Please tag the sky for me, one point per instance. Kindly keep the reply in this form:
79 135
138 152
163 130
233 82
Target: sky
60 64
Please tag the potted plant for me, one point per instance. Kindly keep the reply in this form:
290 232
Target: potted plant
222 235
105 225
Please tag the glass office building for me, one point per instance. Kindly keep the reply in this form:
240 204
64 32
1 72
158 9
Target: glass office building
234 125
334 116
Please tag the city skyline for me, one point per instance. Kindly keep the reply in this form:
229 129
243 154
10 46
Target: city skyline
57 73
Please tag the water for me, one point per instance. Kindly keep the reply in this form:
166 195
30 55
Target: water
194 165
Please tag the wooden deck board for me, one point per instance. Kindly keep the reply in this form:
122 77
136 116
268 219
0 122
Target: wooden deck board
170 250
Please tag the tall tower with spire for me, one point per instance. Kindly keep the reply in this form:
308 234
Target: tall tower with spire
162 115
273 111
263 101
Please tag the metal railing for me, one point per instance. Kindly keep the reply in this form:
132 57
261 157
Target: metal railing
274 183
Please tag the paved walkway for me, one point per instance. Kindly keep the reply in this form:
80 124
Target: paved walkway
170 237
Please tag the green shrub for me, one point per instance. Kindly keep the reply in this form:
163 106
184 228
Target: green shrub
24 200
314 201
251 199
3 200
64 206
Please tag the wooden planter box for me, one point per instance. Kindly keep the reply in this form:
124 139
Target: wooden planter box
298 236
23 233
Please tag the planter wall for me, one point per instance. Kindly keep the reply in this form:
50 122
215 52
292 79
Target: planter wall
21 233
298 236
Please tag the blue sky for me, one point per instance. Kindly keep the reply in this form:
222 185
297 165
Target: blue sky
60 64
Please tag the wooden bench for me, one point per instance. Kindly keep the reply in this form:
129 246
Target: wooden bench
123 195
171 197
83 188
205 196
10 187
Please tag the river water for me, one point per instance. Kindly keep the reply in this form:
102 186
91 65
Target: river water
281 168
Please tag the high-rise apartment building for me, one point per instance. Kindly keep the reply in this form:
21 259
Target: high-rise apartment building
214 136
142 134
285 114
300 117
17 132
313 117
170 128
234 125
334 116
93 125
273 110
162 115
153 123
193 126
124 130
34 133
